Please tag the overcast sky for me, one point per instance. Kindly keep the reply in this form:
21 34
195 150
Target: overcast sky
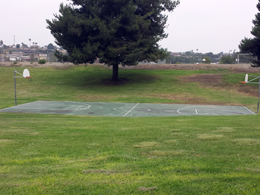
207 25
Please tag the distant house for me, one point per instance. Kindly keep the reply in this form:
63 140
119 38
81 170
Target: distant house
12 59
25 58
43 56
175 54
15 56
18 54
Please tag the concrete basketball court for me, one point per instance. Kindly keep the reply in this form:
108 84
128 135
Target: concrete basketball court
125 109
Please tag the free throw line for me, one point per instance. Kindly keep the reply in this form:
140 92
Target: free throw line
131 110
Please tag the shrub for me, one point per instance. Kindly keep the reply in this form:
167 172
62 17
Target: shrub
42 61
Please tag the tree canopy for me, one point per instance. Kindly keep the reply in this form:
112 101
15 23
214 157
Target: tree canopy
50 46
252 45
227 60
115 31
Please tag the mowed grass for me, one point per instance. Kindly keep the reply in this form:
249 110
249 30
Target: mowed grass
58 154
143 86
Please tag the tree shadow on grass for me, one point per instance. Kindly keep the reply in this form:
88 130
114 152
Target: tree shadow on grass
103 78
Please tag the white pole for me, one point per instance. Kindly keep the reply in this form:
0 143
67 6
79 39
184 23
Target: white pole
15 88
258 96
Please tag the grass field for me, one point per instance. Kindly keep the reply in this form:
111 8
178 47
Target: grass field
58 154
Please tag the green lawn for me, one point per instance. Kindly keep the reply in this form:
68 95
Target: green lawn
57 154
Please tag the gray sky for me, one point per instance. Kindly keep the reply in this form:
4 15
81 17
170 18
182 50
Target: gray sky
206 25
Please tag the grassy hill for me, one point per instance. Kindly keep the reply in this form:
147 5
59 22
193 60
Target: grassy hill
57 154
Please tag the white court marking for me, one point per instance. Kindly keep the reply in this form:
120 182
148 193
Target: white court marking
249 110
179 110
131 110
126 110
78 108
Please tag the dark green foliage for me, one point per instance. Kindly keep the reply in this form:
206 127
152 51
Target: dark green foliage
42 61
51 46
115 31
207 60
227 60
251 45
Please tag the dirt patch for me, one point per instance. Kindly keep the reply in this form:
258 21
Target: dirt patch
248 90
205 79
239 68
245 70
216 81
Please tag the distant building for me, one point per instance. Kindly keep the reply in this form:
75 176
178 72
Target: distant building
12 59
175 54
25 58
43 56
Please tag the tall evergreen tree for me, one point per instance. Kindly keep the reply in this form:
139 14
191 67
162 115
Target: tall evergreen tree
115 31
252 45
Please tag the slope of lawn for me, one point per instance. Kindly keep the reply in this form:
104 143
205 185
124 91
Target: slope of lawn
57 154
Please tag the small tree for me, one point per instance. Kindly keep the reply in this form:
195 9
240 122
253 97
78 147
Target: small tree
24 45
207 60
251 45
117 32
41 61
227 60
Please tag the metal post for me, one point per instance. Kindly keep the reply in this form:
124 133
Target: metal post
258 95
15 88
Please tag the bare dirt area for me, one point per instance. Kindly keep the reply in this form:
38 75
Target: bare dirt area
35 64
216 81
238 68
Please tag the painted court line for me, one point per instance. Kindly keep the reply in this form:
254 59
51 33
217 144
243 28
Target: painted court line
125 109
179 110
131 110
249 110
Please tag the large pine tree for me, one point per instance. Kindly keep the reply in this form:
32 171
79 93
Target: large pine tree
115 31
252 45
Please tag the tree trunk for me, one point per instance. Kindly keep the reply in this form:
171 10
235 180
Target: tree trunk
115 73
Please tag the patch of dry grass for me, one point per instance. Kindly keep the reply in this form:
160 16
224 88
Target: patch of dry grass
246 141
168 153
172 141
5 140
147 189
225 130
248 169
146 145
206 137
